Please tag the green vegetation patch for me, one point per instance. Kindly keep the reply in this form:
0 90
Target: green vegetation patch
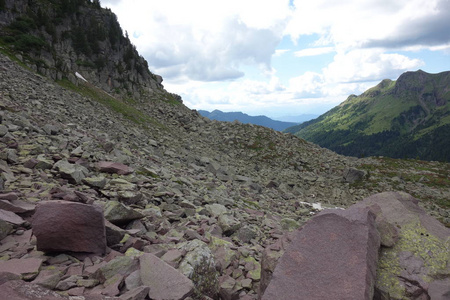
432 174
125 109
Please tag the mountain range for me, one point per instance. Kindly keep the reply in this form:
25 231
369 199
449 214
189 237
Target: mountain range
407 118
246 119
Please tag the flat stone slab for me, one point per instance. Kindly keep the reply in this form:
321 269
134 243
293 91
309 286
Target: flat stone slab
10 217
17 206
21 266
334 255
21 290
113 167
8 196
165 282
69 226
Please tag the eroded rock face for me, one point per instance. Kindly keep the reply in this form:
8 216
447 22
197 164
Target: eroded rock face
334 254
69 226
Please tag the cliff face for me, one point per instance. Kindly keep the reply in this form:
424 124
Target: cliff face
60 38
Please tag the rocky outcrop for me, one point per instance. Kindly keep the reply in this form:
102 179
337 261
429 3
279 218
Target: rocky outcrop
55 42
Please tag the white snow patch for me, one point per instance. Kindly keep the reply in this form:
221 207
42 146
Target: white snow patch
318 206
79 76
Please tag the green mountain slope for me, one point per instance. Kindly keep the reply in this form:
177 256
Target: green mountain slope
407 118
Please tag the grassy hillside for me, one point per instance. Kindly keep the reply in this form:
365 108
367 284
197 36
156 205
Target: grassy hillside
407 118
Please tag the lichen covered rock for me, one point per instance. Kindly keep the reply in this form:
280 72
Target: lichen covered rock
419 256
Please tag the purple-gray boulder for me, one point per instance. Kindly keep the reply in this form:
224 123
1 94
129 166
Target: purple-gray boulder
69 226
334 256
113 167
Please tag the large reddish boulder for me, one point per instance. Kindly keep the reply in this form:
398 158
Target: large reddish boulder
69 226
334 256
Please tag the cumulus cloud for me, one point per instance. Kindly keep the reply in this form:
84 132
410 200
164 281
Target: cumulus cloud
308 85
426 30
204 40
368 65
372 23
204 48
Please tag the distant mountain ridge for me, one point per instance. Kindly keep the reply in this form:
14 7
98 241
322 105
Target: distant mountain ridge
246 119
407 118
297 119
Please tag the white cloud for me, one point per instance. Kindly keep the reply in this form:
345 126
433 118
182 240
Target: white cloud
313 51
354 23
205 40
204 48
280 52
368 65
308 85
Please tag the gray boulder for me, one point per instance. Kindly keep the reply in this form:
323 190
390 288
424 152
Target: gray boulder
73 172
5 229
351 175
117 213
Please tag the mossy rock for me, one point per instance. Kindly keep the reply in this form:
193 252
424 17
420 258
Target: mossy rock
417 251
409 263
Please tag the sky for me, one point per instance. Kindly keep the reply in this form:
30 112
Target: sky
284 57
